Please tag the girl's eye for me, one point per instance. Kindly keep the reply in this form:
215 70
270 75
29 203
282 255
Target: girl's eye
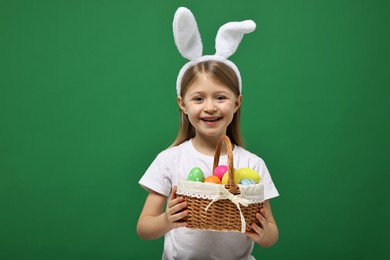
220 98
198 99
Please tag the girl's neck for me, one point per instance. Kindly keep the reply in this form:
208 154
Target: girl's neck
206 145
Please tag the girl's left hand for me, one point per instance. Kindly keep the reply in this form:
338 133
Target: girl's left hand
259 231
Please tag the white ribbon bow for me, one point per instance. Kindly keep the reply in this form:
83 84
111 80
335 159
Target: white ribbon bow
223 193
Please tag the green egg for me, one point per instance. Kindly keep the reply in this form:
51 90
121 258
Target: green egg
196 174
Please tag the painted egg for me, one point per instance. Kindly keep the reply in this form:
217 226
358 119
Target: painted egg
220 170
236 177
196 174
247 173
247 181
213 179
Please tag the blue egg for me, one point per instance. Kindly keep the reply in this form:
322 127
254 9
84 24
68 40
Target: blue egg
247 181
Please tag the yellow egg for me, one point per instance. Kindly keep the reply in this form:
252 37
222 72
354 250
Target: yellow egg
248 173
236 177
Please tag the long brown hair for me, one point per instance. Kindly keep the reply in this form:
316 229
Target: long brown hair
223 74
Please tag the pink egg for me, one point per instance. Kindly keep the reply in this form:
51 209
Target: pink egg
220 171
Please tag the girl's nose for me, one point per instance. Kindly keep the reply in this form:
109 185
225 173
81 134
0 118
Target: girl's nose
209 106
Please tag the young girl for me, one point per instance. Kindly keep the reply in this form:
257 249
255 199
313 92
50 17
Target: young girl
209 98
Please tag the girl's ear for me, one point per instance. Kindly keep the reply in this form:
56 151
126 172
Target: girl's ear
181 104
238 103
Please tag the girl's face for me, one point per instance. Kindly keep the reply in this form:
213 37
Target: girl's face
210 106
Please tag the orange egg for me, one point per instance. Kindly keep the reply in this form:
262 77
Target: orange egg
213 179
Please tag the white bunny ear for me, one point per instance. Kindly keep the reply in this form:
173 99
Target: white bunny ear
230 35
186 34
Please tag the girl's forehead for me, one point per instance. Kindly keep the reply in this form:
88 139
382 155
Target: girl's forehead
207 84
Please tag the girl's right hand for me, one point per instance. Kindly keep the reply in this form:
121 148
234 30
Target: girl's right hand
175 210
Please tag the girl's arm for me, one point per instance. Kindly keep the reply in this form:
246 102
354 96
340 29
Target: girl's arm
267 233
153 222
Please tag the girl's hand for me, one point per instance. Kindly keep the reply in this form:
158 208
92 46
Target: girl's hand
266 234
175 210
259 231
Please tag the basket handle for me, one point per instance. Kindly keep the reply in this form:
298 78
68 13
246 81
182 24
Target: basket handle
231 186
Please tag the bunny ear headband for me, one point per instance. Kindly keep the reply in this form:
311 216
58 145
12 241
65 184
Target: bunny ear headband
189 44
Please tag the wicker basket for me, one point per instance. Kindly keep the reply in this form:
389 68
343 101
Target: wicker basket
220 207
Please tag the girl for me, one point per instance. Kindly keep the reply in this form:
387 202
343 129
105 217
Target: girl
209 98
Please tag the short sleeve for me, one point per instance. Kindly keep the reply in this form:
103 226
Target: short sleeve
270 190
158 176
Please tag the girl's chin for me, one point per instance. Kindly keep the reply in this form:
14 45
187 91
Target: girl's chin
210 134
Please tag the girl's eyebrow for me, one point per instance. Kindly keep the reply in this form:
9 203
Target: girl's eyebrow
219 92
224 92
196 93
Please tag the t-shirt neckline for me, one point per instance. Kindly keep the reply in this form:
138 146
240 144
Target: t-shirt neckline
208 157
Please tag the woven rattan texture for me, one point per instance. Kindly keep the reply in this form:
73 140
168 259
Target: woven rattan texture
222 215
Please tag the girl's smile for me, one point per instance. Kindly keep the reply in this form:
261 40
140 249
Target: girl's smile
210 119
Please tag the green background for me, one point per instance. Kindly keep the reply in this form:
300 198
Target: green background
87 100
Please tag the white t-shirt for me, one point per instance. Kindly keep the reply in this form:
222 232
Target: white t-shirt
174 164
